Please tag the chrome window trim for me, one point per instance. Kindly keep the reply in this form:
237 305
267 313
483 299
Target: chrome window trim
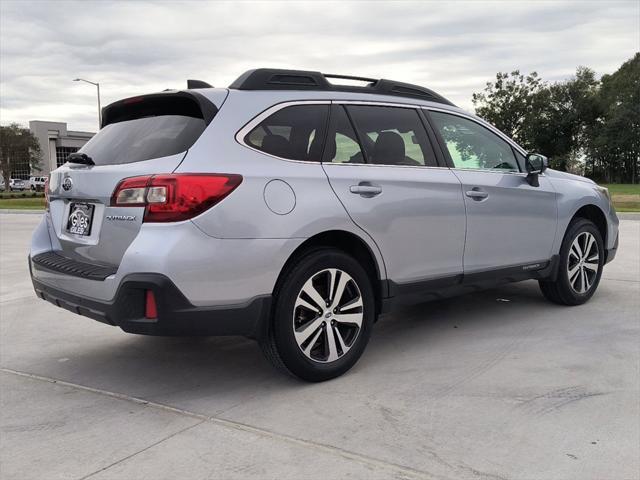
255 121
381 165
489 170
374 103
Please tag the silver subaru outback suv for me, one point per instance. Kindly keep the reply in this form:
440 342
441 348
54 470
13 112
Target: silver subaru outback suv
293 209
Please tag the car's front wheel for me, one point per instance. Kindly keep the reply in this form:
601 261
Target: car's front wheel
323 315
580 268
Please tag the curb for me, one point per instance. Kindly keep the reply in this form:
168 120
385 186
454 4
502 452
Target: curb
629 216
18 211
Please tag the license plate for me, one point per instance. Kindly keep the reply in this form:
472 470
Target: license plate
80 217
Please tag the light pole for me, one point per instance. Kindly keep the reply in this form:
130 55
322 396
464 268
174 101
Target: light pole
98 87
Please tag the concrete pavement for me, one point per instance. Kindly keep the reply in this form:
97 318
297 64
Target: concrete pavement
496 385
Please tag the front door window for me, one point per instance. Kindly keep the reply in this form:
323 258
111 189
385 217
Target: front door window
472 146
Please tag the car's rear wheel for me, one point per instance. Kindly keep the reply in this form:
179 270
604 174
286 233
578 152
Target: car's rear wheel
323 315
581 262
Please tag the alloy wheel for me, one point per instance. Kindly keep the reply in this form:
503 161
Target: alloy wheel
328 315
583 262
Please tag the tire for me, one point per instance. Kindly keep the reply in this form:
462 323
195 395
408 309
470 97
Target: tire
577 280
298 341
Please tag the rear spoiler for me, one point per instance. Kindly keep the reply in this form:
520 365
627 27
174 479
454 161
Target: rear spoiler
187 103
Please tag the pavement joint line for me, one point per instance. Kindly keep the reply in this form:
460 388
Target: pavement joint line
621 280
330 449
124 459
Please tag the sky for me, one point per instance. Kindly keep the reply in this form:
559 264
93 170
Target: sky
137 47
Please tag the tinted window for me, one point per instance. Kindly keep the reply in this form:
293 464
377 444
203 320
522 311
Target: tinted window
342 144
143 139
142 128
295 132
472 146
392 136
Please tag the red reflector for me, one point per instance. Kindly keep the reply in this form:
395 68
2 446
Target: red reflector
175 196
150 308
46 193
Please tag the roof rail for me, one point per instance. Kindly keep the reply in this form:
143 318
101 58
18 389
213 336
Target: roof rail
278 79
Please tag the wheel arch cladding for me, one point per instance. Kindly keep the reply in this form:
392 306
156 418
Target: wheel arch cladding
597 216
349 243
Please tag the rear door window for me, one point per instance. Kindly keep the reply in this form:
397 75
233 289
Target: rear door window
146 128
392 135
295 133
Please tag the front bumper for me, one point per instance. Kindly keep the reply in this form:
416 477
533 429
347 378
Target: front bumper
611 252
176 316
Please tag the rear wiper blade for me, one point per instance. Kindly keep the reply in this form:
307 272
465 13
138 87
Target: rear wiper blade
82 158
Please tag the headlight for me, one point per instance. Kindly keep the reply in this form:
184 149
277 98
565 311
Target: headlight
604 191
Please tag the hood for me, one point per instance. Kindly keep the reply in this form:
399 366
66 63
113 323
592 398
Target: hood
568 176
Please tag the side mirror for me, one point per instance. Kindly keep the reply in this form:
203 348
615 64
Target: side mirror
535 165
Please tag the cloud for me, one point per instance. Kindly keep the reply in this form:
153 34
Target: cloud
139 47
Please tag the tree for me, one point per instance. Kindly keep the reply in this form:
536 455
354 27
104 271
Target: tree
509 102
560 113
579 122
542 117
17 145
614 144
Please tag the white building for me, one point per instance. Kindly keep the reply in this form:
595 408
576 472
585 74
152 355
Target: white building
56 143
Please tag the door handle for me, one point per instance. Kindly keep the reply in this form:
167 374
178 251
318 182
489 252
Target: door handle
366 189
476 194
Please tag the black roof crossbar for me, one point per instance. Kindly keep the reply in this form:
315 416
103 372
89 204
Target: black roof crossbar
350 77
277 79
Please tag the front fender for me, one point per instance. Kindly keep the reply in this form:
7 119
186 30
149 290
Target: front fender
572 197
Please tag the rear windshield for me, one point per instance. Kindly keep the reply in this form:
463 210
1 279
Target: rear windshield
143 128
143 139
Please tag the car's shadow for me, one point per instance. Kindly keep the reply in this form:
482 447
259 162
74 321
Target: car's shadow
224 371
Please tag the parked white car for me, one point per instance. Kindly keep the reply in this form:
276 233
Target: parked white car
17 184
37 183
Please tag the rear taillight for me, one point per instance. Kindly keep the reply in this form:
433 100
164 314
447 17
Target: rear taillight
46 193
174 197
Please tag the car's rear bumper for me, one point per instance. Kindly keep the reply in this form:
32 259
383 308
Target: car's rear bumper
176 316
208 271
